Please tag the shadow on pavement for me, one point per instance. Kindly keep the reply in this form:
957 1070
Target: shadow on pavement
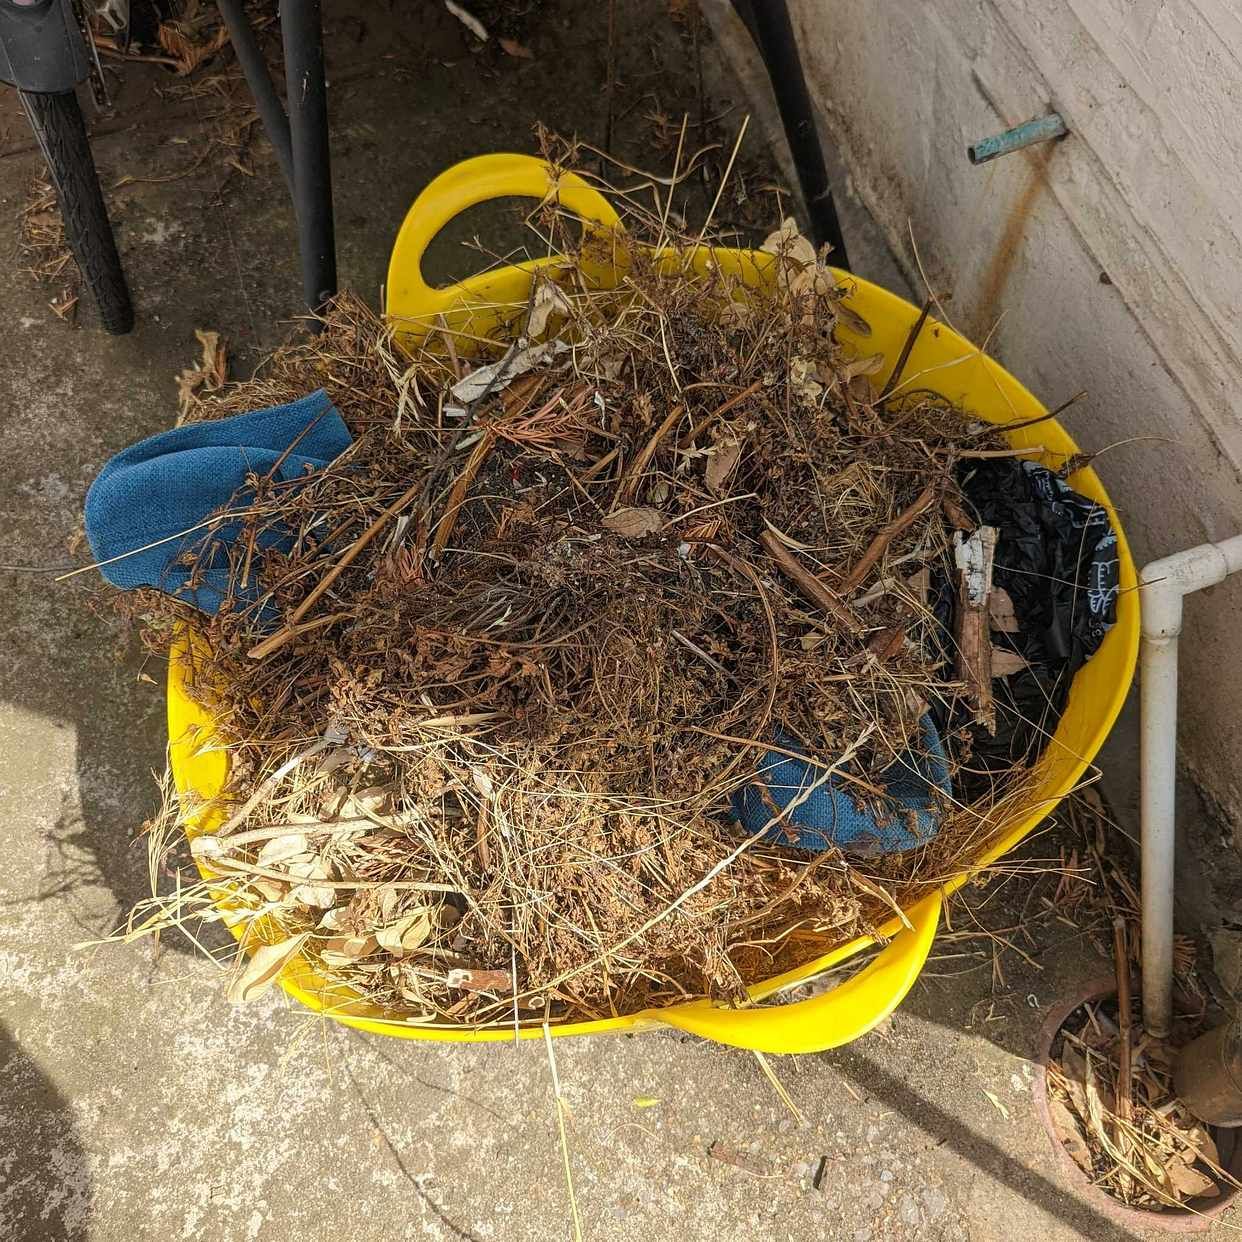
45 1187
976 1148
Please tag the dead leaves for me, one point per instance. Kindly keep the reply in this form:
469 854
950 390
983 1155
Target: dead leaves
634 522
722 460
346 950
1005 662
1070 1135
407 934
208 374
1161 1156
549 307
263 967
1190 1183
281 849
310 893
190 46
800 268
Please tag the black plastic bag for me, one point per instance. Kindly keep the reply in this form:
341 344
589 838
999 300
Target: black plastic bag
1056 556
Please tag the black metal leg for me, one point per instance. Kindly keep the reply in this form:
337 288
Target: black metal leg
302 30
768 21
267 102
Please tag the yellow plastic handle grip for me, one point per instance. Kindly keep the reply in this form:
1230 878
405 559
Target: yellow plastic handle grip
851 1009
474 181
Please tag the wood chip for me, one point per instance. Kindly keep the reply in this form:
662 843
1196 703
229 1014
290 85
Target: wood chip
959 519
974 644
481 980
816 592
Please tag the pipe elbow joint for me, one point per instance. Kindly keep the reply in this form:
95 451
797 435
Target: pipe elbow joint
1167 581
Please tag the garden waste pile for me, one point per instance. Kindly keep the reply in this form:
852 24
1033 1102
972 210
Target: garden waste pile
642 659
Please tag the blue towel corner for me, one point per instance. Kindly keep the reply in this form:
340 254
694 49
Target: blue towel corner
164 485
836 815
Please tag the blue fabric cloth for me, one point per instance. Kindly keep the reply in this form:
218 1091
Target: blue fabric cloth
170 482
844 816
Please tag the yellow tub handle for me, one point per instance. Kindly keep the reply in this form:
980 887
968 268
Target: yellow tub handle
409 297
851 1009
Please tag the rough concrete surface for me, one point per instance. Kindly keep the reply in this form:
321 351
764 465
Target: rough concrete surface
135 1102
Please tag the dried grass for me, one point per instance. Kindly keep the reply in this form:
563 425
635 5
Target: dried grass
531 640
1140 1145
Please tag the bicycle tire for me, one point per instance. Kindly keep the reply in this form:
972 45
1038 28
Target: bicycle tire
61 134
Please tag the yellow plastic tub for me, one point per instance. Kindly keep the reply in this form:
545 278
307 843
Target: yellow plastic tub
477 309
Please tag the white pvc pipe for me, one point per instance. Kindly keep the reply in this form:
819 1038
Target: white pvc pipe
1165 583
1157 773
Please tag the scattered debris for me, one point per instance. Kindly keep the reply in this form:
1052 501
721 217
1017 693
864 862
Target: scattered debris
1001 615
468 20
997 1103
513 48
41 233
196 35
1115 1112
740 1160
208 375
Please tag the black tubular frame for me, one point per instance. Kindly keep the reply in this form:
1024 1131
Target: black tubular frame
300 137
773 33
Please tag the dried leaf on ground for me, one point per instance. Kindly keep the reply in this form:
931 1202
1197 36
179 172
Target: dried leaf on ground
513 48
722 460
317 896
208 374
634 522
789 243
407 934
346 950
872 364
280 849
548 301
1190 1183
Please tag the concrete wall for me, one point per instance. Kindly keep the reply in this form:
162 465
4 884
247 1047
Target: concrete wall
1110 261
